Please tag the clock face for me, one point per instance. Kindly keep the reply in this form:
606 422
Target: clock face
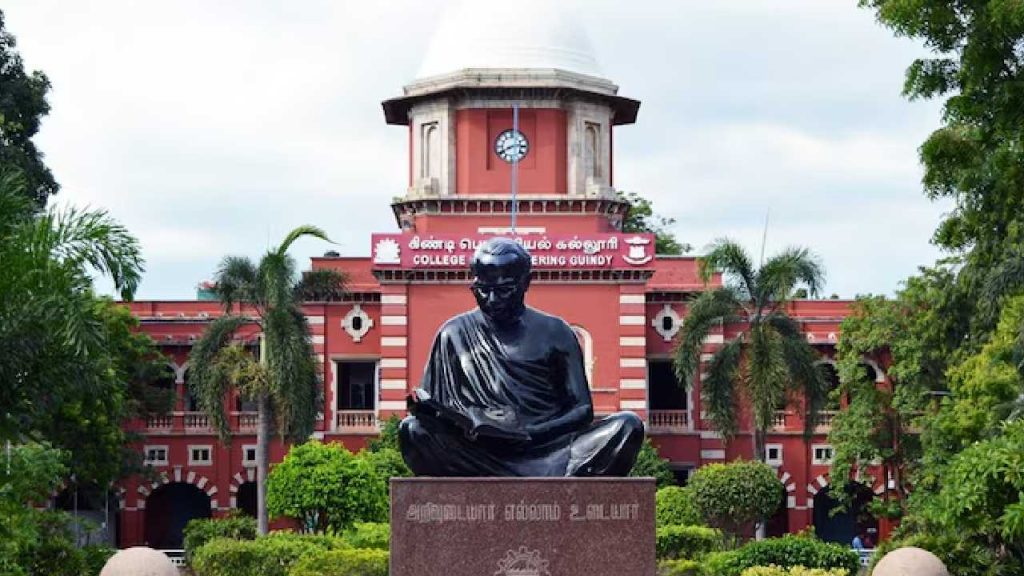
511 146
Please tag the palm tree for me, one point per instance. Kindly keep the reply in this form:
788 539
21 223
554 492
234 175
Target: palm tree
53 342
768 364
285 379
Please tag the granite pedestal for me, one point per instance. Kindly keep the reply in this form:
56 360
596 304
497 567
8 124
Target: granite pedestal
522 526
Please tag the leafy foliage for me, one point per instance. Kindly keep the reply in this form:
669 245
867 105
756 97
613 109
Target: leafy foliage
73 367
967 556
271 555
22 107
326 488
199 531
786 552
674 506
650 465
691 542
769 363
34 540
376 535
794 571
343 563
388 437
642 218
679 568
734 495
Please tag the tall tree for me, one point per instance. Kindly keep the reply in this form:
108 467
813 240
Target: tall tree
769 363
641 218
976 158
22 106
65 361
285 380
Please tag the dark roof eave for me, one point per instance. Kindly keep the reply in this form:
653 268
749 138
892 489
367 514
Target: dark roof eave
396 110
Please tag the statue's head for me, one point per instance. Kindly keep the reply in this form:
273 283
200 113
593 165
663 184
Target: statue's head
501 270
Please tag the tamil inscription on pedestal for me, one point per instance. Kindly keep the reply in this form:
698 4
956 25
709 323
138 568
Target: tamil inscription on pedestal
522 527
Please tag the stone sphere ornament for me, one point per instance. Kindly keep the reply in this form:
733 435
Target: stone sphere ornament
910 561
139 561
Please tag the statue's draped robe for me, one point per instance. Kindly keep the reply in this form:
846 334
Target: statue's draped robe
538 375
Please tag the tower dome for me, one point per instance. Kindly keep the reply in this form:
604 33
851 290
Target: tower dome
529 34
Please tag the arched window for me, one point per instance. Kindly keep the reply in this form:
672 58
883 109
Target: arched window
592 151
587 347
430 161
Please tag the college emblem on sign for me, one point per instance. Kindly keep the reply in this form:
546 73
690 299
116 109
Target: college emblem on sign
638 255
522 562
387 251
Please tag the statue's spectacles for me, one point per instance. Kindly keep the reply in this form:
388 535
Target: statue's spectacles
499 290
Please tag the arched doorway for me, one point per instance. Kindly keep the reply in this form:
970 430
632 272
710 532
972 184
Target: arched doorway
246 499
168 510
840 527
778 523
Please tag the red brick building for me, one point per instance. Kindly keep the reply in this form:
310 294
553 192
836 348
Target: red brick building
625 304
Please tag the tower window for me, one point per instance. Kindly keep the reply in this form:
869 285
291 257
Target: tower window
356 384
592 150
430 158
663 386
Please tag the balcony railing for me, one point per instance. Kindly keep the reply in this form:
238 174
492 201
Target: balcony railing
668 421
824 419
786 420
247 421
187 422
356 421
779 421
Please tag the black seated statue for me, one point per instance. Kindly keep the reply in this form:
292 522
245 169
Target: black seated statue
504 392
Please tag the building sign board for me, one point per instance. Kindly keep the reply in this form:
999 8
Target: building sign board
549 251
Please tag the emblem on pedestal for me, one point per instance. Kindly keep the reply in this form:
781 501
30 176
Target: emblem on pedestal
522 562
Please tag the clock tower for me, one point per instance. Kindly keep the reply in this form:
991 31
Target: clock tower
480 65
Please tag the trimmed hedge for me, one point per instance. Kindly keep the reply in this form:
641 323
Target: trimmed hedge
271 555
794 571
674 506
692 542
679 568
200 531
355 562
369 535
785 552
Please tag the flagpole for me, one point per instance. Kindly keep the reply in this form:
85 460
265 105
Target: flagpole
515 168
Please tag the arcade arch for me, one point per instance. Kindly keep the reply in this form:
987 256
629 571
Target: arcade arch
169 508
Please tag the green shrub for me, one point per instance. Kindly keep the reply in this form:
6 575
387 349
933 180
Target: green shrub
271 555
794 571
786 552
355 562
674 506
369 535
690 542
732 496
327 488
95 557
679 568
650 464
201 530
967 556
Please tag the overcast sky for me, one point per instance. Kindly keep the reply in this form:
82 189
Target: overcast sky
213 128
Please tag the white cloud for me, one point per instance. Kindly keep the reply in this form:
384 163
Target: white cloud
214 127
